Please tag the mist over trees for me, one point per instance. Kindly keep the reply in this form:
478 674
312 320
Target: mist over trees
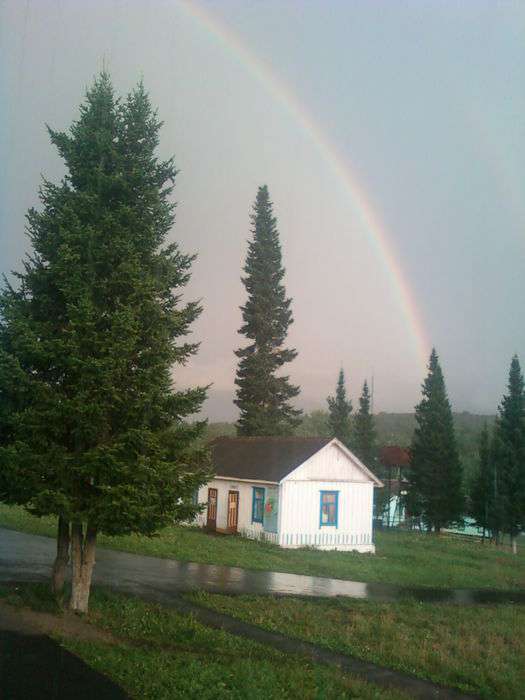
95 430
391 429
263 396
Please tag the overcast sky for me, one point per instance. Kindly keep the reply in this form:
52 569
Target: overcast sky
422 105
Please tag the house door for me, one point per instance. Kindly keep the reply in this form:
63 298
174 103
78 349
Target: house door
211 520
233 510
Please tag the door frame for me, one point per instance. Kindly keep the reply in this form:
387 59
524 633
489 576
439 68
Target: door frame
211 512
232 523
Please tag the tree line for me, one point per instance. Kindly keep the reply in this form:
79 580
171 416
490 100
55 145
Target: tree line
495 496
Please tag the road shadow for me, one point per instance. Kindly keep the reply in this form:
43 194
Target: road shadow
34 667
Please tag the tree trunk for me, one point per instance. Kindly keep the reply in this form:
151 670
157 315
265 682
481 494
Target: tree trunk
83 546
58 575
514 543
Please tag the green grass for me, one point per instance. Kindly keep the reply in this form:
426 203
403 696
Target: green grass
479 649
401 557
161 655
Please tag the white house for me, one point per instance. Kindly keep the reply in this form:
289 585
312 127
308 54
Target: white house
293 491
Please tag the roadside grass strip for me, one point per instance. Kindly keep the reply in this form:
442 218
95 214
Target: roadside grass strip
160 654
477 649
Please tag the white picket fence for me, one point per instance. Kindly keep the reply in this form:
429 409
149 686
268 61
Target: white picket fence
325 539
298 539
260 535
321 539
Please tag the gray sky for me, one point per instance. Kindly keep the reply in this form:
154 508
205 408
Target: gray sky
377 126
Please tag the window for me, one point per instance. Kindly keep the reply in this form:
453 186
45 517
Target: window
329 507
257 505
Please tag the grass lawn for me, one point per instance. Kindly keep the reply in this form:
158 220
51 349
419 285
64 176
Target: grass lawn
158 654
479 649
402 557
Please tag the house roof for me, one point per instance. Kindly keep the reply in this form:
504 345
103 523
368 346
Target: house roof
262 458
394 456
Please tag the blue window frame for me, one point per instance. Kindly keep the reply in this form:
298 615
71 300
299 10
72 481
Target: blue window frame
257 505
329 509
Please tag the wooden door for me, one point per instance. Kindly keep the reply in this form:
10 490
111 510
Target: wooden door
233 510
211 520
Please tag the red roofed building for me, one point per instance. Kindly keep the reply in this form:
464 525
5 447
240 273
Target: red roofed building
394 456
395 460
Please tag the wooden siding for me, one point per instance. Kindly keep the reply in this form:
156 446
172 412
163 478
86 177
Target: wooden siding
223 486
329 464
300 507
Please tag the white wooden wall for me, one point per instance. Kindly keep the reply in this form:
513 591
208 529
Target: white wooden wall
245 503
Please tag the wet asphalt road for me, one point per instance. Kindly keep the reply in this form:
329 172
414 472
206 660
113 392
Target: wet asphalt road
29 557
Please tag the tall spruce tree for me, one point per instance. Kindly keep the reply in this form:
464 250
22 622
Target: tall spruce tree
483 506
435 474
364 435
91 333
263 396
509 455
339 412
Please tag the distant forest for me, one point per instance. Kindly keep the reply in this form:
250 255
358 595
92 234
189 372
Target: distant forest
392 429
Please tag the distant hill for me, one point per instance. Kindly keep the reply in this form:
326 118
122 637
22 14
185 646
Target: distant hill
392 429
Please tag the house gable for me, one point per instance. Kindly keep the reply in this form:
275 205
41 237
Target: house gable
333 462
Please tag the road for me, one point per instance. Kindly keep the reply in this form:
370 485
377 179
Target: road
29 557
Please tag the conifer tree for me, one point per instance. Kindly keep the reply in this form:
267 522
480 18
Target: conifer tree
263 396
340 411
435 474
483 507
91 332
364 431
509 455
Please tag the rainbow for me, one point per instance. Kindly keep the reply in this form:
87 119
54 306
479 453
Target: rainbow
376 232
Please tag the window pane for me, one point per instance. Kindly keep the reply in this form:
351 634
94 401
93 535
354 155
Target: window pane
329 508
258 505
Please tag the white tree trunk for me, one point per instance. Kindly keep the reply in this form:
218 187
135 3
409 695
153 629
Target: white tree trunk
62 558
514 543
83 544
